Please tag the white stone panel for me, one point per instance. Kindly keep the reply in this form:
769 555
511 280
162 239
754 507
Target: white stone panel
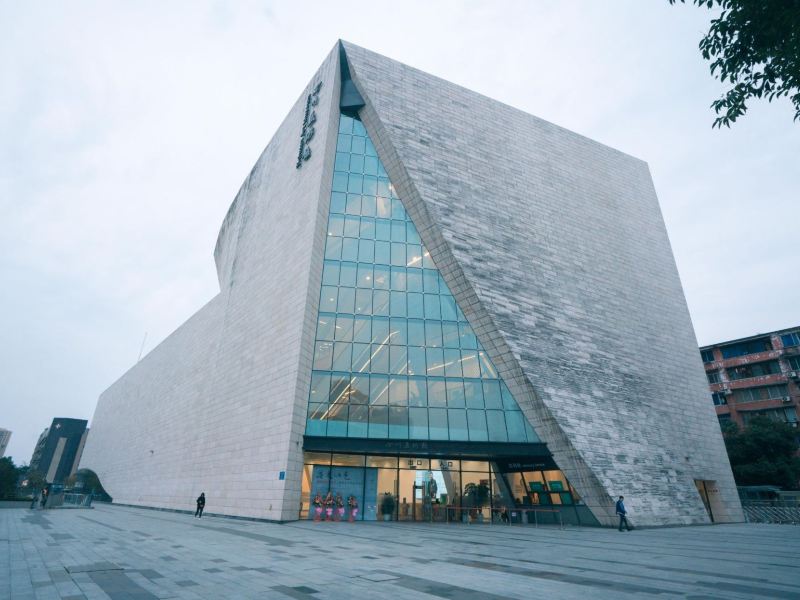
219 406
555 249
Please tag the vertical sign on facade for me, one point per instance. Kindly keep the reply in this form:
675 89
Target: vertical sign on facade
309 119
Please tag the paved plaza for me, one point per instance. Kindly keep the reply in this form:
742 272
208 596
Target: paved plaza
126 553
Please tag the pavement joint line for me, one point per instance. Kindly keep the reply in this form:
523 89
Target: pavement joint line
427 560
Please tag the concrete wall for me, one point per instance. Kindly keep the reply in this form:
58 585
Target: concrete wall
555 249
219 406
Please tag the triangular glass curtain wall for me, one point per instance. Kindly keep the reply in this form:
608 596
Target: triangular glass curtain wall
394 356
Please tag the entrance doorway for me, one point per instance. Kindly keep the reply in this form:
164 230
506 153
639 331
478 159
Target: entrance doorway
434 489
705 489
426 492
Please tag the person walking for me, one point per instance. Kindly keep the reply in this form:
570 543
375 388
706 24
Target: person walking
623 520
43 501
34 500
201 504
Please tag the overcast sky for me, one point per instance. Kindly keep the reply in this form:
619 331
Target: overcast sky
126 129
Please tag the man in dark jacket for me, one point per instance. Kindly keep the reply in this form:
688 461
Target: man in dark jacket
622 512
201 504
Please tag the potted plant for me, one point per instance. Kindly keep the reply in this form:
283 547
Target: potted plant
476 496
387 506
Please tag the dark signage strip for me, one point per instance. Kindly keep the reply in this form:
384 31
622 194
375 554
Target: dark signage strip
513 456
310 117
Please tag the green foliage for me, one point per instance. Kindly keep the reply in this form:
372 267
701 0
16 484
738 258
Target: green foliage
476 494
90 483
8 479
729 428
755 46
387 504
36 481
764 453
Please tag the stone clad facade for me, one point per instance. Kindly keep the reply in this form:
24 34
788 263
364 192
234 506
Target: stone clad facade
552 245
218 406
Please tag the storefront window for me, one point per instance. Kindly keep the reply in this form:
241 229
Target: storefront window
436 489
476 496
475 465
317 458
386 462
502 494
350 460
386 496
305 491
414 463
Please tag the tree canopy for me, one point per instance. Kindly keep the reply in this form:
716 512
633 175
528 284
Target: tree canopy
755 46
763 453
8 478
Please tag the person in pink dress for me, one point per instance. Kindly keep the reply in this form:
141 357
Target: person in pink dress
317 507
339 507
352 503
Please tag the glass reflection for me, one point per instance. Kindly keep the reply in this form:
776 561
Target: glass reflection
390 333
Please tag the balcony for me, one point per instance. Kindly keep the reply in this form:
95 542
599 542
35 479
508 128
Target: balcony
757 381
738 361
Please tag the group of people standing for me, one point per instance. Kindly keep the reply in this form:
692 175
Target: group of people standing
40 498
333 507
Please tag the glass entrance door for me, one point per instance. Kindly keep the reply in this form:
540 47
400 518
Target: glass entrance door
426 494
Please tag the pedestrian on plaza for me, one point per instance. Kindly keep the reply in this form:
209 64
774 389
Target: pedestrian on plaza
339 506
623 520
34 500
201 504
353 504
43 501
329 502
317 507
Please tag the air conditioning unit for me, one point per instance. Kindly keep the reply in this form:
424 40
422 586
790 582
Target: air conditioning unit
794 374
786 399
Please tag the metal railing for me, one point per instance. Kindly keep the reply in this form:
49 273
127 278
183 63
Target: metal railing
451 513
522 516
69 500
764 513
72 499
497 516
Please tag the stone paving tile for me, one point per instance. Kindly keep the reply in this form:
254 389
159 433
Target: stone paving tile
150 554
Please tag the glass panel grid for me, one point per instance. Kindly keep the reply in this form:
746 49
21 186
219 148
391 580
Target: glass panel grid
394 355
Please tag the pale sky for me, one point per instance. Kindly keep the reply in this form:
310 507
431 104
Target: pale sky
126 130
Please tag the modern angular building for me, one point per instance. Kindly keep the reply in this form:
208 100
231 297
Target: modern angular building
58 451
5 437
435 303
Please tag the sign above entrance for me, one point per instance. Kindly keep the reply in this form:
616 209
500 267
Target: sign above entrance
521 464
518 453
